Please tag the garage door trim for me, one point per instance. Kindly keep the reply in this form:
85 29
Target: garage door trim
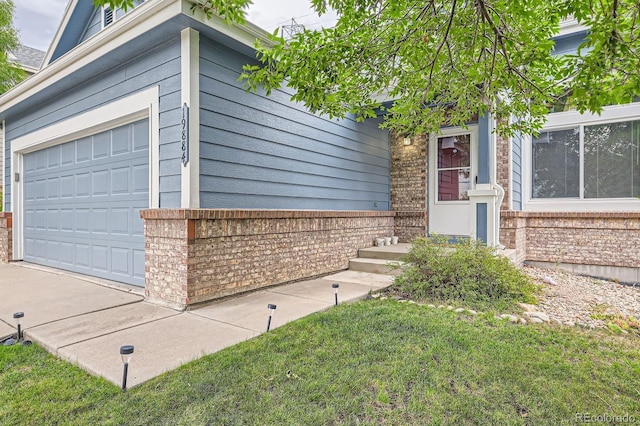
126 110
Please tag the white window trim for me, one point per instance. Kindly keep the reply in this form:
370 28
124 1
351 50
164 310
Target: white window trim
569 119
141 105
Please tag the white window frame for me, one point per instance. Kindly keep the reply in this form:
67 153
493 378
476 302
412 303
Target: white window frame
565 120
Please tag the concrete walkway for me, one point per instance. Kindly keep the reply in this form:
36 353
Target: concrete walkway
86 321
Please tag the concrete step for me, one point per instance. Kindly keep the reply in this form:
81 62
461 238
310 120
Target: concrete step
392 252
374 266
508 253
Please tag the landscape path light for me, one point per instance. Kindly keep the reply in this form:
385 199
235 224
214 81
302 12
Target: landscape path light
126 352
335 286
17 317
272 309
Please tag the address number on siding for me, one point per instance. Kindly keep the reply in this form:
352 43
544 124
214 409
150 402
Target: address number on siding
184 139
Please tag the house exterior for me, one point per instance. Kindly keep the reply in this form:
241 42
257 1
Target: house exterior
566 199
135 155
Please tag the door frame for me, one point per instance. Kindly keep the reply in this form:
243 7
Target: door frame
439 211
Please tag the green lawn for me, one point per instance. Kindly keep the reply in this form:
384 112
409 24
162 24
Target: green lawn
374 362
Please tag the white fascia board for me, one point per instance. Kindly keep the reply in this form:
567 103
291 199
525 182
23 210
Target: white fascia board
246 33
570 26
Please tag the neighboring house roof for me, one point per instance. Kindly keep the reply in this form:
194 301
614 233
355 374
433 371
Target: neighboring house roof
29 58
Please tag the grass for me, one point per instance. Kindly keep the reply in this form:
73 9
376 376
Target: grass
374 362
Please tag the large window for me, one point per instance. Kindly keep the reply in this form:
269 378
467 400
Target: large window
587 161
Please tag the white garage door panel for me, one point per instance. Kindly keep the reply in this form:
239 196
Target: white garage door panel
82 202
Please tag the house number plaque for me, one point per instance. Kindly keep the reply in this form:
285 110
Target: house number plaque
185 134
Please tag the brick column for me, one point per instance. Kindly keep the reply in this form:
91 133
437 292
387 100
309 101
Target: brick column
513 233
6 237
408 185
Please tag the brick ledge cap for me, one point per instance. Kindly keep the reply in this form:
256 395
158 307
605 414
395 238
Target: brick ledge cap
212 214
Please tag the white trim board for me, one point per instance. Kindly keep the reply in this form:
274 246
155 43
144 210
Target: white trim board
190 95
141 105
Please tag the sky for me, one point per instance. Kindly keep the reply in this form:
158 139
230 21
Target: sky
37 20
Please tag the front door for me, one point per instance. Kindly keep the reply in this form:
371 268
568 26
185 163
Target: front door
452 174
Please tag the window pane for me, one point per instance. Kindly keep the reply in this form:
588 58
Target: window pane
556 164
611 160
454 151
453 185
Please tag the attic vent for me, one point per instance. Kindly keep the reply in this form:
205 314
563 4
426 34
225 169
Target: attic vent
107 16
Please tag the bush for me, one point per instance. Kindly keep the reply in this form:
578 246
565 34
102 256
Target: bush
467 271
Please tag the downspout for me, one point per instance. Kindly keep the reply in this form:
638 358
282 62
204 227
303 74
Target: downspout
493 180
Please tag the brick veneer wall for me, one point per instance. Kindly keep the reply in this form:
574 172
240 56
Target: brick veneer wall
410 225
6 240
591 238
408 185
193 256
513 233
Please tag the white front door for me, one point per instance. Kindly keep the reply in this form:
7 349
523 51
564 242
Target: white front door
452 172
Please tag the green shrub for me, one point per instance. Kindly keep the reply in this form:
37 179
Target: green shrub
467 272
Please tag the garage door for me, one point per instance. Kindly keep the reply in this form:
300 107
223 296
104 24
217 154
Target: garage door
82 201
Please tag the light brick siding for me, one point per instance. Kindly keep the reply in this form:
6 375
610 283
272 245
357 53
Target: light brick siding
193 256
409 186
6 240
409 225
607 239
513 234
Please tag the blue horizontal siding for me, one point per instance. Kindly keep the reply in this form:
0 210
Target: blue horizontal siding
516 172
93 26
568 44
158 67
267 152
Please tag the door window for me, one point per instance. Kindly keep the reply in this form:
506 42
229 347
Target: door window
454 168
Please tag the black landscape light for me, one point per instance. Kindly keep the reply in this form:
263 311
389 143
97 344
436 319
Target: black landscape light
126 352
272 309
17 317
335 286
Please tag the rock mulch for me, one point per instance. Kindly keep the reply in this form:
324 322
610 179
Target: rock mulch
575 300
569 299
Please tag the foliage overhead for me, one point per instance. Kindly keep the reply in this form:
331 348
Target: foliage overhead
10 73
446 61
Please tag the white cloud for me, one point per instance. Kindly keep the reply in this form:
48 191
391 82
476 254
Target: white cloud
38 20
264 14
